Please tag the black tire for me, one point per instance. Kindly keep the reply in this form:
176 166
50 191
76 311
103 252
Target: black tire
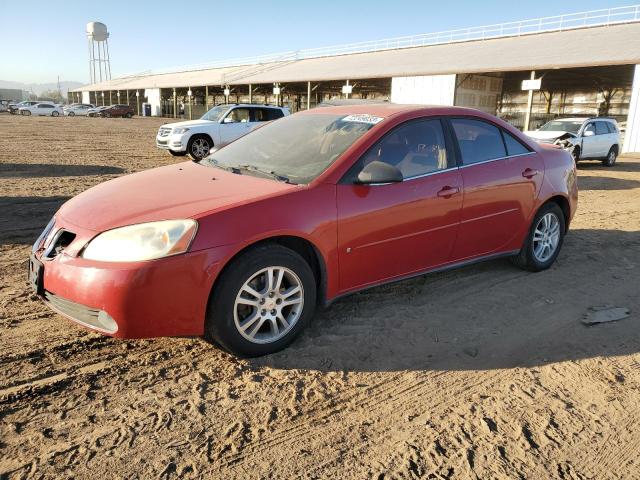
129 115
198 146
177 154
71 114
26 112
526 259
575 153
611 157
220 325
54 114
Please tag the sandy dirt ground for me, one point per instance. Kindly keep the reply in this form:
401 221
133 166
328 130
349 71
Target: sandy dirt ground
483 372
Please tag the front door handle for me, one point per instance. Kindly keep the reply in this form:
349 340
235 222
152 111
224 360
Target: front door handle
448 192
529 173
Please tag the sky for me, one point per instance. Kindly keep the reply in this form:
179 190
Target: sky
147 35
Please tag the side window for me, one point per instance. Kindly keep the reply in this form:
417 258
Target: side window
514 147
274 113
479 141
601 128
415 148
612 127
44 105
260 115
590 128
239 115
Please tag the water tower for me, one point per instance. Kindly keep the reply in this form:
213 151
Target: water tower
98 36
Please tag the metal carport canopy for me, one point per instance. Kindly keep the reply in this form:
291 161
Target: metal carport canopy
584 47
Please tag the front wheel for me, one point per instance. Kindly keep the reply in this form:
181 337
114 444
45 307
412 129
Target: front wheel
71 114
261 302
544 240
198 147
129 115
26 112
612 156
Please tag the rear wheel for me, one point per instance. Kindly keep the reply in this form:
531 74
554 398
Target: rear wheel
71 114
129 115
612 156
544 240
54 114
198 147
261 302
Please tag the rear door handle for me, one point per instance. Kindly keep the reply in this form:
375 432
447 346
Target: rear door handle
529 173
447 192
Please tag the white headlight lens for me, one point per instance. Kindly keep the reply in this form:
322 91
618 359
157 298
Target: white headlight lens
145 241
180 130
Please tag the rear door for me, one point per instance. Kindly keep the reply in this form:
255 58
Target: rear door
604 138
393 230
502 178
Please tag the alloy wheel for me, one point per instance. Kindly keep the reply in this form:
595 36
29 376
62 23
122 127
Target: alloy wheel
268 305
200 148
546 237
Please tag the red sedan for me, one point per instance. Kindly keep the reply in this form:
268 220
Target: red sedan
242 246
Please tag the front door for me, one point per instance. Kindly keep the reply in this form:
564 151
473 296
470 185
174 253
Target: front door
502 179
393 230
235 124
590 142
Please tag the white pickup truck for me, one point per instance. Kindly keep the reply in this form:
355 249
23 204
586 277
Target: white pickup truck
219 126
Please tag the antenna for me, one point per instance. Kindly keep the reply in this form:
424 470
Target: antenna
97 36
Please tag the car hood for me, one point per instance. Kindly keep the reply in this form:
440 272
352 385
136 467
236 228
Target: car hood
547 134
183 190
188 123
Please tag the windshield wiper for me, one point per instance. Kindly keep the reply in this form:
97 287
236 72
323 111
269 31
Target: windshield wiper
269 173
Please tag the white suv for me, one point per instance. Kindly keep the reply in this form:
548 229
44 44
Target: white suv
586 138
219 126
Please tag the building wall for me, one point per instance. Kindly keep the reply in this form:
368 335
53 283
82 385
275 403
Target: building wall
153 97
632 136
479 91
424 90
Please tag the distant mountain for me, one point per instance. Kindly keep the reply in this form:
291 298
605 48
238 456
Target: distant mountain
38 88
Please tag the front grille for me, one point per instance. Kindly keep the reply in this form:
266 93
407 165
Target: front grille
91 317
164 131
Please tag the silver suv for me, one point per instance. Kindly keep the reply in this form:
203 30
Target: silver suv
586 138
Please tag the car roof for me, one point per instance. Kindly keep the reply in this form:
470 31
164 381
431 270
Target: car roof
387 109
583 119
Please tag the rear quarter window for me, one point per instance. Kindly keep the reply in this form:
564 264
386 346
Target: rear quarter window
514 147
275 113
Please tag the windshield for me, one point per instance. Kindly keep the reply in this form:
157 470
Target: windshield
296 148
216 113
571 126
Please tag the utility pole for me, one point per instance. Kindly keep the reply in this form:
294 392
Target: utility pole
527 118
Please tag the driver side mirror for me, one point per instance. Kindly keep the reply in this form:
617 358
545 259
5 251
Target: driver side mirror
588 133
379 172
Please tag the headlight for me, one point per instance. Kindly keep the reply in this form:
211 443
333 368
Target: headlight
145 241
180 130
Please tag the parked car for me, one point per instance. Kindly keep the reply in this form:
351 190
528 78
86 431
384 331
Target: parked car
81 109
42 109
244 244
586 138
95 112
14 108
124 111
219 126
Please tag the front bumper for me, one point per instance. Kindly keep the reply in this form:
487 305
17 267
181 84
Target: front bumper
164 297
175 142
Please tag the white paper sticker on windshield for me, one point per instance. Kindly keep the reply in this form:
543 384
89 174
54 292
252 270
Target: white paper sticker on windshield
363 118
